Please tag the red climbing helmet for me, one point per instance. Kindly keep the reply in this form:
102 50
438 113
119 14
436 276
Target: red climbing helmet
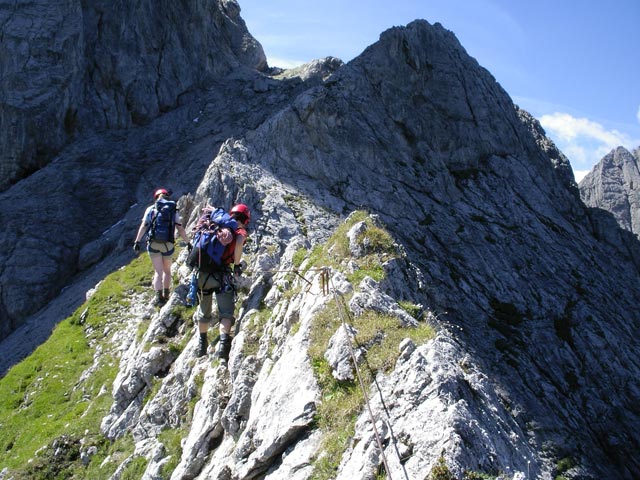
161 191
243 210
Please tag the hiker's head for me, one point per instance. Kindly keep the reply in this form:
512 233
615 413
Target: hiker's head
161 192
241 213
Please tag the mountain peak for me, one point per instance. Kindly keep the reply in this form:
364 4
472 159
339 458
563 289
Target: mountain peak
613 185
466 224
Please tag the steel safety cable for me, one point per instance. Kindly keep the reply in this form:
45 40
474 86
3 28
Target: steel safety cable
342 314
386 411
324 277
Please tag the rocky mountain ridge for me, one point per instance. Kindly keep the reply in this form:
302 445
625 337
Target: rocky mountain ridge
174 149
614 185
533 295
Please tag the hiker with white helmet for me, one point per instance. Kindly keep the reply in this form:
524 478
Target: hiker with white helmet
159 222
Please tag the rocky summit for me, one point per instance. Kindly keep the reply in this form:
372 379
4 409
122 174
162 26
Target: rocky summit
614 186
400 192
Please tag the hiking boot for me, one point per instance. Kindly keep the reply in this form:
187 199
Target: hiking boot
165 294
202 345
159 299
224 347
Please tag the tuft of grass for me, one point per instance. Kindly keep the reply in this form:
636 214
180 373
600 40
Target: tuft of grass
374 239
134 469
339 242
416 311
172 441
440 471
563 466
368 268
299 257
317 257
376 242
254 329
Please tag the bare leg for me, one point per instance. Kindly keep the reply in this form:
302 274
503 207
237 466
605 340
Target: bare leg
158 267
166 270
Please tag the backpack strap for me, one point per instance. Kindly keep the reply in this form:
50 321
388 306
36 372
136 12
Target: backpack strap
227 256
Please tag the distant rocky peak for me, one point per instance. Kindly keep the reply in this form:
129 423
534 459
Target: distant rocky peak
614 185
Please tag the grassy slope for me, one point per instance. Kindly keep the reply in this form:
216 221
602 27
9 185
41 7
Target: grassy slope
45 399
52 403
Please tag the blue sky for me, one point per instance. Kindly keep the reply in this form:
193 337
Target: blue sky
573 64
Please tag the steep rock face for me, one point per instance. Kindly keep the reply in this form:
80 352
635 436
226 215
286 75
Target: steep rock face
538 325
95 191
73 66
614 185
495 223
538 319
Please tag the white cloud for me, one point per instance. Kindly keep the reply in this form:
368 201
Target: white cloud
583 141
578 175
569 128
285 63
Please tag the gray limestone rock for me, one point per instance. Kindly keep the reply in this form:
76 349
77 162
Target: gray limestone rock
533 295
70 67
614 185
339 356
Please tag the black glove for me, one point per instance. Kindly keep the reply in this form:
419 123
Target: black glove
136 247
189 247
237 270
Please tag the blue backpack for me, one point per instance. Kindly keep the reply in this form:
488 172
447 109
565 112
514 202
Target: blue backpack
208 249
162 222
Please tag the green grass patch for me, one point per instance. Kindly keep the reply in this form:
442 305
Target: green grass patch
563 466
39 398
299 257
254 329
42 396
108 458
342 402
134 469
172 441
376 243
416 311
440 471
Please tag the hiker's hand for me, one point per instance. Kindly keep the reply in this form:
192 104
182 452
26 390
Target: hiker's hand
136 247
189 246
237 271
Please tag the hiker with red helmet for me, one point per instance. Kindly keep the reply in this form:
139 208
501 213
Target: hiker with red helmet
221 281
159 223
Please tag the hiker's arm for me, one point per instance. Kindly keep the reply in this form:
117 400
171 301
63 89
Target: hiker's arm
141 231
182 232
237 254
